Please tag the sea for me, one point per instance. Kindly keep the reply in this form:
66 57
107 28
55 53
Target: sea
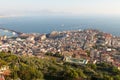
47 24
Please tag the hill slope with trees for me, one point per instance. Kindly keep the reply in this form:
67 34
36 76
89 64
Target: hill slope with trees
49 68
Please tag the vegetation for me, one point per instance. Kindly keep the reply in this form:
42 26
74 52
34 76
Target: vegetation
33 68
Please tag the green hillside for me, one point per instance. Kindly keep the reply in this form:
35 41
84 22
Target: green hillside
50 68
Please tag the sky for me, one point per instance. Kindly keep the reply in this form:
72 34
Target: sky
59 7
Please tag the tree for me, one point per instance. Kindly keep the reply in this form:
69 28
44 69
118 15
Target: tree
70 74
117 77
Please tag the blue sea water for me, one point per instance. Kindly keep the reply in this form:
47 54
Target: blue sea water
46 24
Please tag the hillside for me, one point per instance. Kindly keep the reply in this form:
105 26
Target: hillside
52 68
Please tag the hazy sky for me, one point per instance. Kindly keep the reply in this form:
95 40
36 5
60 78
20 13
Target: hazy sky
59 7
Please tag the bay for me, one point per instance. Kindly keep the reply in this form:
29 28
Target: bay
46 24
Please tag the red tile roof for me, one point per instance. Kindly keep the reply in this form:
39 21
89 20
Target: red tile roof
1 79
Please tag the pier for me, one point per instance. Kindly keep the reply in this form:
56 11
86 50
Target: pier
9 30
